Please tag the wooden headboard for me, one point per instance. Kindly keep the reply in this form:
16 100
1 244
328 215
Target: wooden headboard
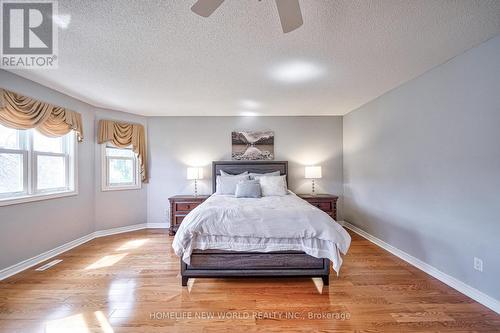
237 167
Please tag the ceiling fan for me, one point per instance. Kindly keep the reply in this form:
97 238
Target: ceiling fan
288 10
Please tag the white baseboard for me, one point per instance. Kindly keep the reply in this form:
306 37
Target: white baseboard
25 264
119 230
158 226
458 285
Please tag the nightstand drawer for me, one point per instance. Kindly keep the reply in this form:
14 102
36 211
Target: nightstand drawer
180 206
178 219
324 206
325 202
185 206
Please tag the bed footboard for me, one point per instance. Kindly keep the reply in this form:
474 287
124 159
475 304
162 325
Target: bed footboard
217 263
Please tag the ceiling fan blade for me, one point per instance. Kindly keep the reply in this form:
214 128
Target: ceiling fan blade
290 14
205 8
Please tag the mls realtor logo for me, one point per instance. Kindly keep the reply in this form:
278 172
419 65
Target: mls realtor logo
29 36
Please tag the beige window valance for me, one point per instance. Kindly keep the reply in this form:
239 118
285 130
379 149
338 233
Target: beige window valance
21 112
123 135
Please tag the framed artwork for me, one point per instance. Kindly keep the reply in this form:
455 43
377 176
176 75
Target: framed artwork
252 145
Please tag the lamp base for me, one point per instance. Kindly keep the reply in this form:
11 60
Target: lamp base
313 192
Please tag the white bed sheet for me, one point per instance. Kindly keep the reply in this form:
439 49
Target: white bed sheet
277 223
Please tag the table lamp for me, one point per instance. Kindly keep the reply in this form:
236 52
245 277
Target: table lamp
313 172
195 174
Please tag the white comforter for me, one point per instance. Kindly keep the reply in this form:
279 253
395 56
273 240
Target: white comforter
262 225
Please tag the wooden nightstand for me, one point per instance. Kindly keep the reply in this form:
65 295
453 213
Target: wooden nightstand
325 202
180 206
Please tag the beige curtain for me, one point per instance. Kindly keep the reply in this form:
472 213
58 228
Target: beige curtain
123 135
21 112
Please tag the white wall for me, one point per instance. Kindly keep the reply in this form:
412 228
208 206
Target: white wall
178 142
29 229
422 167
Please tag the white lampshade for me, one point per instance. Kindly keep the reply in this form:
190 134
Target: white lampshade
194 173
313 172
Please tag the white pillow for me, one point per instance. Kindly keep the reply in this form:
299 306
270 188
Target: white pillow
225 174
273 185
227 185
253 175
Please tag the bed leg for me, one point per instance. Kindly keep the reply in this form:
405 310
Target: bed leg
185 281
326 280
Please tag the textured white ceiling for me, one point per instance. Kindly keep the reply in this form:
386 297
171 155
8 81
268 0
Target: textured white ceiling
159 58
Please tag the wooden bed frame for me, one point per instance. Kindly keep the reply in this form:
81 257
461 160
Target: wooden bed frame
218 263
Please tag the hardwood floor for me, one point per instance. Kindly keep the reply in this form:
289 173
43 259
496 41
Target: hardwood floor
130 283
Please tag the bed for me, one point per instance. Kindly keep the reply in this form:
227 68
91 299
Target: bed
268 237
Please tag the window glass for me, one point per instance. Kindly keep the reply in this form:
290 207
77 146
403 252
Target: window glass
46 144
121 171
51 172
125 152
9 138
11 173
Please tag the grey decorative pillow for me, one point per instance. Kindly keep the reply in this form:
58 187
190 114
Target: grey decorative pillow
227 185
248 189
254 175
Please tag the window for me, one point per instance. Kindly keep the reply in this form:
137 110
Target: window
120 169
34 166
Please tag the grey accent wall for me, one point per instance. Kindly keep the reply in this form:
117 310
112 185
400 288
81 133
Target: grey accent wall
29 229
178 142
422 167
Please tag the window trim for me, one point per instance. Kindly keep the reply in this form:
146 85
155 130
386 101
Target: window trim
29 155
105 185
